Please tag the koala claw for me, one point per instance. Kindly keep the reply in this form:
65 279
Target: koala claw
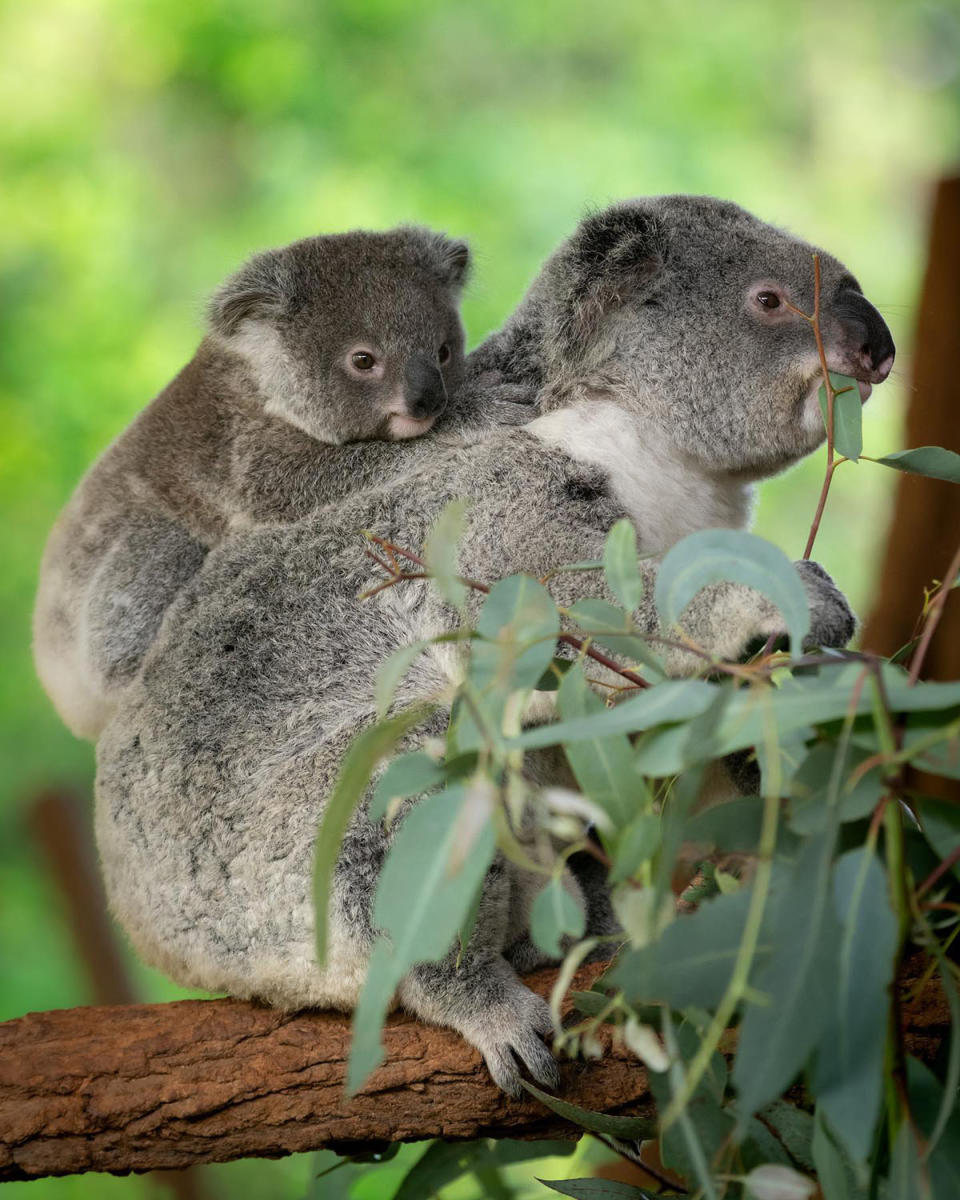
512 1034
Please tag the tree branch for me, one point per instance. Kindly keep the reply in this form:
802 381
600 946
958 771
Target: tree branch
152 1086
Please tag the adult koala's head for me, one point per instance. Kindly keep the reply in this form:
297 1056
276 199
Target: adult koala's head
350 336
685 302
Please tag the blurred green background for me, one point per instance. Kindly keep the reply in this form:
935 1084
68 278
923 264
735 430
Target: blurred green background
147 146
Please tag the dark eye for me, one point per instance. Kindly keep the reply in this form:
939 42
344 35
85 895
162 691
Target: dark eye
363 361
768 299
443 355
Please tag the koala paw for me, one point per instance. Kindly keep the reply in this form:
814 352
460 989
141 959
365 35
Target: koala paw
510 1033
832 623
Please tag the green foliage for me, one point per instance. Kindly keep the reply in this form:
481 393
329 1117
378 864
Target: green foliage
932 461
847 415
798 944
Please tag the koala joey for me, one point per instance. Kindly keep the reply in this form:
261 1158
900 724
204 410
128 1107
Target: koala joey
316 355
672 375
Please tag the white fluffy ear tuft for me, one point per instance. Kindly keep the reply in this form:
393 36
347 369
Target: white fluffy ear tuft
255 292
454 256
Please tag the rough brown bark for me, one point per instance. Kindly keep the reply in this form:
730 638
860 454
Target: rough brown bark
926 520
147 1086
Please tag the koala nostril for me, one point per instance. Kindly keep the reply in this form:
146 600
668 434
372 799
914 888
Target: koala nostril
884 367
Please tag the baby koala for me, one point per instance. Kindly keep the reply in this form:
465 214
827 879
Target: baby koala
331 340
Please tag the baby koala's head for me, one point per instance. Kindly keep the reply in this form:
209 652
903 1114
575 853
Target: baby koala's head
353 335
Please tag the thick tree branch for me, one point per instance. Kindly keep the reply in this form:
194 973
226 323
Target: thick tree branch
147 1086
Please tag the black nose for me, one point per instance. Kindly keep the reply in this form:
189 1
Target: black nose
425 394
867 335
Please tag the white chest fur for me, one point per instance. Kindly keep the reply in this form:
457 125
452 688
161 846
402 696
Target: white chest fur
666 496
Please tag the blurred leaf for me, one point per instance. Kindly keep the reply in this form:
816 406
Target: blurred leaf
848 1078
519 619
628 1128
731 827
775 1182
847 415
440 552
636 844
932 461
908 1180
714 555
829 1162
420 907
443 1162
596 1189
793 1127
552 677
691 962
359 763
810 787
674 700
926 1103
940 822
408 775
777 1038
554 915
602 766
620 565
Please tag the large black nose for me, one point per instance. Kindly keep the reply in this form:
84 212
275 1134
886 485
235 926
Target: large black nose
423 387
868 338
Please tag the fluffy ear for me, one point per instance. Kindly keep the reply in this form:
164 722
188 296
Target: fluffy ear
255 292
454 259
613 258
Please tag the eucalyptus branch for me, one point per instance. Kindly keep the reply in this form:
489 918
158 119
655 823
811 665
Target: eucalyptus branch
934 614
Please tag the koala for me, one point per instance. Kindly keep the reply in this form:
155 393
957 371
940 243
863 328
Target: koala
318 356
672 375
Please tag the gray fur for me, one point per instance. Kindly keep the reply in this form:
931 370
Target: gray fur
268 421
213 773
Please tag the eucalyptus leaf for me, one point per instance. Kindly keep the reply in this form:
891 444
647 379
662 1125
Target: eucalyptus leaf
628 1128
715 555
848 1078
602 766
555 915
847 415
408 775
636 844
444 1162
596 1189
420 905
440 552
358 766
831 1171
620 565
940 821
777 1038
932 461
613 628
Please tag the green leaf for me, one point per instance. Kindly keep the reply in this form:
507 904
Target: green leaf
407 775
829 1162
848 1079
391 673
673 700
555 915
713 555
628 1128
440 552
777 1038
636 844
847 415
926 1103
691 962
932 461
602 766
620 565
810 786
940 822
359 763
908 1180
444 1162
420 905
521 620
596 1189
730 827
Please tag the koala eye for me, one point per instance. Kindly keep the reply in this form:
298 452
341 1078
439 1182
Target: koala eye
443 355
363 360
768 299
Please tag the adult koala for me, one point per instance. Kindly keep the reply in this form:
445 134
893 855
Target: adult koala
674 374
